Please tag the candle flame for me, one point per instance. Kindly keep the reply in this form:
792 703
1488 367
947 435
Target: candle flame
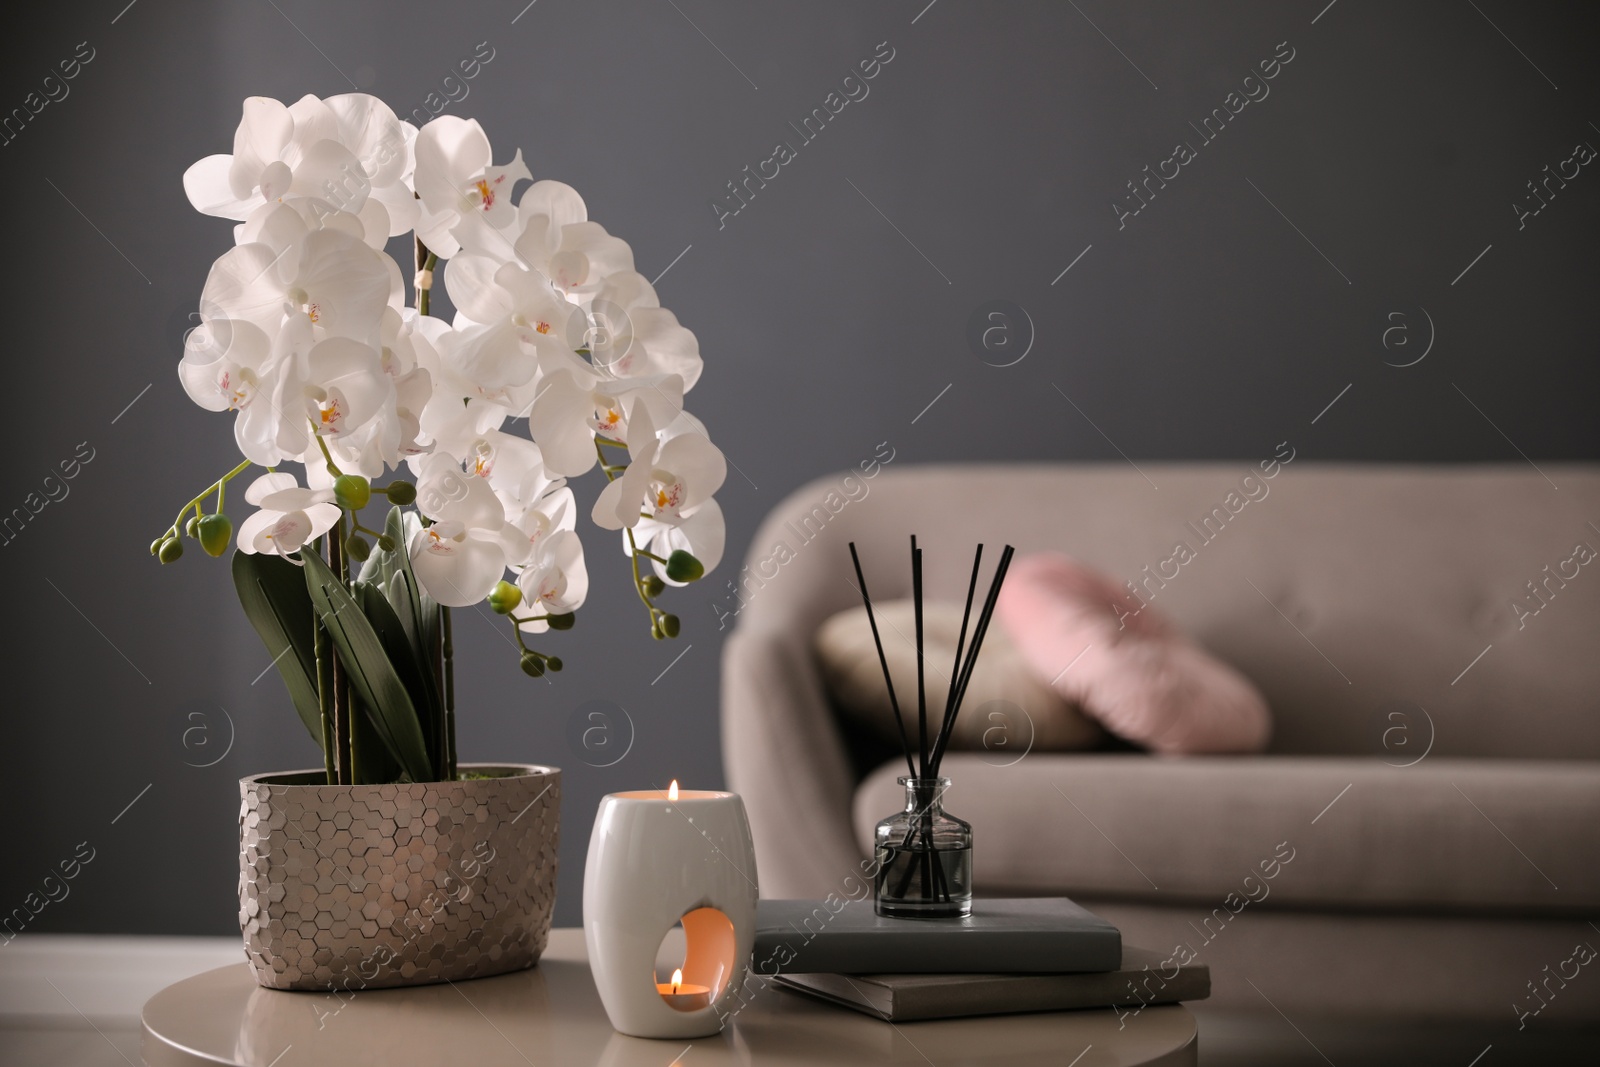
672 790
677 975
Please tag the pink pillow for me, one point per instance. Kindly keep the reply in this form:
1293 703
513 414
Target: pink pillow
1137 675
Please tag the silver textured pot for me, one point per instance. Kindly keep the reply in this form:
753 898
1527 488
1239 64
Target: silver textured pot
365 886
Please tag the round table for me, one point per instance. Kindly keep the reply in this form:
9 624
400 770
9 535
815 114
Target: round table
551 1016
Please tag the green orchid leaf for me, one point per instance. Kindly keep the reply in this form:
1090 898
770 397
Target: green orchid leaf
371 762
373 676
414 671
273 593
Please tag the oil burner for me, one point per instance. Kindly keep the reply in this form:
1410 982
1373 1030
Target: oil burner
658 858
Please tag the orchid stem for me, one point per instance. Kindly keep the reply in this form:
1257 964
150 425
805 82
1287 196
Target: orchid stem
633 546
214 487
423 301
448 654
326 455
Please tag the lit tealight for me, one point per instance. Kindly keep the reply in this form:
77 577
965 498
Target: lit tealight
684 996
672 790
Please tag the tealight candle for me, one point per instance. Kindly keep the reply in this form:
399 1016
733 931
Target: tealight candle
658 858
684 996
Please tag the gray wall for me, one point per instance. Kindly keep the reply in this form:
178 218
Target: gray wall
1252 290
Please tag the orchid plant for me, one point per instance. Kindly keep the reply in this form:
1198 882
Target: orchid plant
305 335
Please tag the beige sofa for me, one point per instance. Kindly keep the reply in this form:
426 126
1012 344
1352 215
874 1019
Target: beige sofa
1425 635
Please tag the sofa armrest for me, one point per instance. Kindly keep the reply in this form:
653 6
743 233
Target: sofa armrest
784 754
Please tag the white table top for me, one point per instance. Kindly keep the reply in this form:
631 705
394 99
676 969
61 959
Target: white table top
551 1015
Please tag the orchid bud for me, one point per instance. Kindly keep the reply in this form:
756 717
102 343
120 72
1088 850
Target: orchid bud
504 598
356 548
401 493
214 532
554 663
352 491
532 666
386 543
654 586
670 625
562 622
171 550
192 527
655 630
155 546
683 567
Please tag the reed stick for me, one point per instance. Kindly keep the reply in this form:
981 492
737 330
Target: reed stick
978 636
883 661
950 704
922 689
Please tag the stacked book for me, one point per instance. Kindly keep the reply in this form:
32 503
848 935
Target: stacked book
1009 955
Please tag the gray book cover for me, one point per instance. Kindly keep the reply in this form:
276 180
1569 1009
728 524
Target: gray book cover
1144 978
1001 936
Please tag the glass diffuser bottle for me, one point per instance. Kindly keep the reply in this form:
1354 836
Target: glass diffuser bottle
923 854
924 857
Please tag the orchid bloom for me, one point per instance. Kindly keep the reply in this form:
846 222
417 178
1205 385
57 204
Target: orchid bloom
289 517
703 535
556 582
669 476
278 152
328 277
633 336
466 200
337 389
458 558
227 366
344 156
569 413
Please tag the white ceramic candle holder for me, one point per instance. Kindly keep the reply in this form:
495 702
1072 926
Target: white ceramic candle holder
654 862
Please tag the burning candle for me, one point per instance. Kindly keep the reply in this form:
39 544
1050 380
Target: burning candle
684 996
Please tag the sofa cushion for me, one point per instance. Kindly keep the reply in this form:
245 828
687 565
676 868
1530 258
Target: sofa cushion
1124 663
1007 710
1272 831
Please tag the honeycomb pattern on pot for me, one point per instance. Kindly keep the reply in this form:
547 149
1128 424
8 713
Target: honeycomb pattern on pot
367 886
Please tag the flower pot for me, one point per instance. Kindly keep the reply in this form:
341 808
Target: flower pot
367 886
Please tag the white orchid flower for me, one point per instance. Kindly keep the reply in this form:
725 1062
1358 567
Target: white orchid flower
552 235
458 558
288 518
456 425
515 318
346 155
574 406
465 198
227 366
413 390
702 535
633 336
544 210
455 563
468 363
278 152
556 582
536 503
328 277
383 143
338 390
669 476
528 528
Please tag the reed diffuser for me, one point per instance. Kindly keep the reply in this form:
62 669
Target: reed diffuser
923 854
